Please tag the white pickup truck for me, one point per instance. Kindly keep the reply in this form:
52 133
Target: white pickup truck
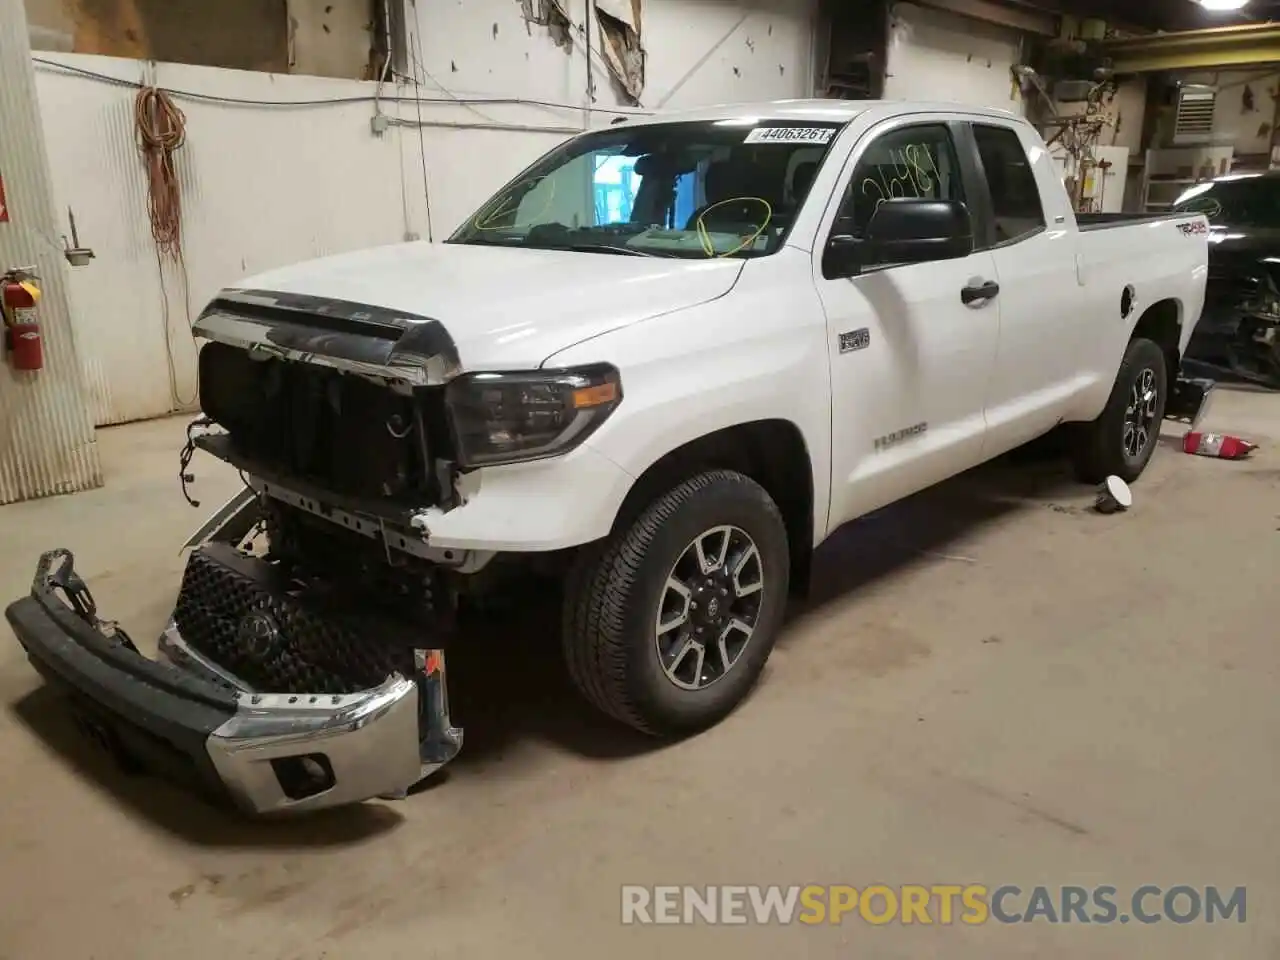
663 364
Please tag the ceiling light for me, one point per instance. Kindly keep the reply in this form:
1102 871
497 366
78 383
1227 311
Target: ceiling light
1222 6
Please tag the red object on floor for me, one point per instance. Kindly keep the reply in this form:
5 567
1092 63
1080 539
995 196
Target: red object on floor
1220 445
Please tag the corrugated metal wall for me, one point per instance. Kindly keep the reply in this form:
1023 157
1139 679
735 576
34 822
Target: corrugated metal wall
46 437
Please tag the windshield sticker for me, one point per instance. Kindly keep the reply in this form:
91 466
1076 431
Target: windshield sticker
790 135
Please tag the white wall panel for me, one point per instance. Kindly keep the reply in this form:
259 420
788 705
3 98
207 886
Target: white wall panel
935 55
264 186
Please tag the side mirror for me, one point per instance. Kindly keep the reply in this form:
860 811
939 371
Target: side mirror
843 257
900 232
915 231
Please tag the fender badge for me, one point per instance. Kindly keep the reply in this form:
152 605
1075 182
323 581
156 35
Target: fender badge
898 436
858 339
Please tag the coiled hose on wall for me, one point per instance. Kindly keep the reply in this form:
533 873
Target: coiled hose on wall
161 129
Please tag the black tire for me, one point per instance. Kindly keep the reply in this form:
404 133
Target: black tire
1104 447
613 596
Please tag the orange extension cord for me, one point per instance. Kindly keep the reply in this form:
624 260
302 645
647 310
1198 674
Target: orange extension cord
161 129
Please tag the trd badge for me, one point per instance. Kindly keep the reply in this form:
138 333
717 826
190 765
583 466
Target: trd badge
855 340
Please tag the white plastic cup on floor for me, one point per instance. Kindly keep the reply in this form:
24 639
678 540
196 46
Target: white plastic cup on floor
1114 496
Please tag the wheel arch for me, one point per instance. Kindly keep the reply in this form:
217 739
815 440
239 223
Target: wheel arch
772 452
1161 323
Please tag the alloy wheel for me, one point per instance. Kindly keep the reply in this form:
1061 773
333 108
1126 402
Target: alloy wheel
709 607
1140 414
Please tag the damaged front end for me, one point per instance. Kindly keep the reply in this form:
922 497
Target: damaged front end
267 690
304 662
315 718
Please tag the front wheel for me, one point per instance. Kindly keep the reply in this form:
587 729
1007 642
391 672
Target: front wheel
1123 438
668 623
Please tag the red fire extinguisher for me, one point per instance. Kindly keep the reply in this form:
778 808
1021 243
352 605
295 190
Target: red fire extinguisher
18 298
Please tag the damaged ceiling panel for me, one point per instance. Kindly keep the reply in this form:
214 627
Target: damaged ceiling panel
620 45
620 42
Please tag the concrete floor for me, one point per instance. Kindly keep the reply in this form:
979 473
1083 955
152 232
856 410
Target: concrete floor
992 685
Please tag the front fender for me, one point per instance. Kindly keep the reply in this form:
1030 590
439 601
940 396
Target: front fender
672 396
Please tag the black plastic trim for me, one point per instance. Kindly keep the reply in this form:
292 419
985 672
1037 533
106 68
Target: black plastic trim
1014 241
301 322
161 717
222 446
977 195
338 316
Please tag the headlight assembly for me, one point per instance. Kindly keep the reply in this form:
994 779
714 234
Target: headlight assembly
510 417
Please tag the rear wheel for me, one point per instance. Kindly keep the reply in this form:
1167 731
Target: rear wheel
1124 437
669 622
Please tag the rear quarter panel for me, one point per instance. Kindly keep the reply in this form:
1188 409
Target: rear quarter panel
1161 260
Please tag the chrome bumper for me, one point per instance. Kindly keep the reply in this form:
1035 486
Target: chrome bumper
180 713
305 752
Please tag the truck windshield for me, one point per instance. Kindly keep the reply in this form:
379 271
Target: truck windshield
1248 201
691 189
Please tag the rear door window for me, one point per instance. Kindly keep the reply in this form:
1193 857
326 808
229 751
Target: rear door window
1017 212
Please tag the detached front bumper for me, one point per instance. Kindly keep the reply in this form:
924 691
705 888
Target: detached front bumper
194 722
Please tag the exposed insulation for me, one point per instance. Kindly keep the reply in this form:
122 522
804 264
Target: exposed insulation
552 15
620 42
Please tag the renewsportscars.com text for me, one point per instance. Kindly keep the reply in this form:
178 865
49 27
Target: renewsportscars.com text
945 904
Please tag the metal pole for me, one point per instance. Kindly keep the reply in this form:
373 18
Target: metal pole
46 433
587 7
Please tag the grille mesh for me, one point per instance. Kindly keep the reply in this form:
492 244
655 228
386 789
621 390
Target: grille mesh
316 649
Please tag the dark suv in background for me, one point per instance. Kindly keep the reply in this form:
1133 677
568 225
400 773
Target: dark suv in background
1239 330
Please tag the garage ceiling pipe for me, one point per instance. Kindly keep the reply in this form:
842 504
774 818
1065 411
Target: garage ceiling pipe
46 435
1218 47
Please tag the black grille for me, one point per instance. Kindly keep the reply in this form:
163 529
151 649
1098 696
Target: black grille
345 434
281 636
